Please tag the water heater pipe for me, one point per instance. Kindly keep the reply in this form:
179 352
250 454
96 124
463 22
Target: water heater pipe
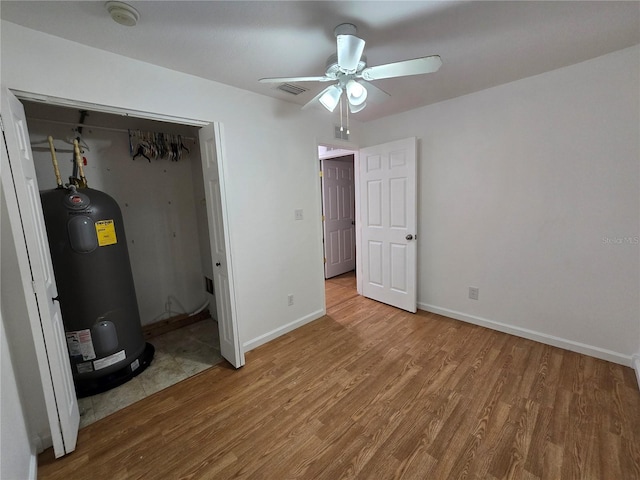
76 150
54 160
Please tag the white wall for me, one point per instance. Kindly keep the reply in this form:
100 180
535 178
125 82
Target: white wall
157 200
270 163
530 192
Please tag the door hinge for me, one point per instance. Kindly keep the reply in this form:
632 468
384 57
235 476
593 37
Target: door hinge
321 174
33 287
325 260
323 218
1 123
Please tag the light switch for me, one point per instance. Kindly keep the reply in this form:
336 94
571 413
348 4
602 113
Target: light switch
298 214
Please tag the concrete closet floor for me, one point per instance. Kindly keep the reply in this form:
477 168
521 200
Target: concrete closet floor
179 354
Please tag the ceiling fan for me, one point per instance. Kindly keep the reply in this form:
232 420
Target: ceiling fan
348 70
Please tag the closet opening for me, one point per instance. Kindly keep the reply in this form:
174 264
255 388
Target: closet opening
164 211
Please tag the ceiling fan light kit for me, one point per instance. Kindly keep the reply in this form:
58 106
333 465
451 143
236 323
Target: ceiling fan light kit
330 98
348 69
356 93
356 108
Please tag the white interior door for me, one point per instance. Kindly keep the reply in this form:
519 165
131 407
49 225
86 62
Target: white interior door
338 205
20 187
388 215
210 146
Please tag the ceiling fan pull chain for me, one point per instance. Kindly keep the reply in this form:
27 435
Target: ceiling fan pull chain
347 109
341 128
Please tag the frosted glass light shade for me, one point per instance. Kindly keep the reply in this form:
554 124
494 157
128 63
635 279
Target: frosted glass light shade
357 108
356 93
330 98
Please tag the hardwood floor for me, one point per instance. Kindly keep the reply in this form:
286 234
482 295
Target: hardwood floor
371 392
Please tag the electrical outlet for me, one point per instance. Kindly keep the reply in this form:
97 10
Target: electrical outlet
208 285
298 214
474 292
290 299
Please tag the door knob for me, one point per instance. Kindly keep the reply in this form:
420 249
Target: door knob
409 237
217 264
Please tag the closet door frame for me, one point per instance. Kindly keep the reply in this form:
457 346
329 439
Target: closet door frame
62 102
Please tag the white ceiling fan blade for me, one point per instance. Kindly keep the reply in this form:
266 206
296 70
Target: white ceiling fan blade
405 68
374 94
296 79
350 50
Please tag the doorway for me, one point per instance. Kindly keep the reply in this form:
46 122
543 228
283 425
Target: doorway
338 200
386 221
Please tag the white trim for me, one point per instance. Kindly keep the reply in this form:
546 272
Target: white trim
342 152
636 366
356 191
33 465
273 334
590 350
96 107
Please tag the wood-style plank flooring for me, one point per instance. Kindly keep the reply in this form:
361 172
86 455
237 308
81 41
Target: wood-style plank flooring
371 392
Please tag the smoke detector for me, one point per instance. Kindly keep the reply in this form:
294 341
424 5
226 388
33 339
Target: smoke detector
122 13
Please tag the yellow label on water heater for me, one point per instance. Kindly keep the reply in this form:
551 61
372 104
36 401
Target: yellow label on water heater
106 232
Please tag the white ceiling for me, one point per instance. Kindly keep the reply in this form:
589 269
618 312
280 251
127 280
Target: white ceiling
482 44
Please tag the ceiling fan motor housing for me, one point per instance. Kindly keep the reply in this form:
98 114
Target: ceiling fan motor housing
332 67
345 29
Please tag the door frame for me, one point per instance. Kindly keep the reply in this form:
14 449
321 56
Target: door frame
324 213
66 102
354 149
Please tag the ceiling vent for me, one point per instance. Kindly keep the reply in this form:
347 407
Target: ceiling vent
291 88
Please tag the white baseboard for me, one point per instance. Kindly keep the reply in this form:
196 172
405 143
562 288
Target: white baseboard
267 337
33 465
590 350
636 366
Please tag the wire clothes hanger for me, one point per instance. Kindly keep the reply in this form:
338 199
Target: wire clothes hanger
156 145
